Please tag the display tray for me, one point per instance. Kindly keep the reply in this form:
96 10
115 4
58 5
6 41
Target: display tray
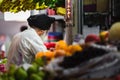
97 79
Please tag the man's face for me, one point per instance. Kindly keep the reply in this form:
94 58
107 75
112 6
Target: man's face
43 35
40 32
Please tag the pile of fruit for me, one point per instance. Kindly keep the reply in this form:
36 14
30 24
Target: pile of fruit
101 38
3 65
32 72
61 49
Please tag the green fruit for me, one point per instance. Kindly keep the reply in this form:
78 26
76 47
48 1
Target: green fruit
4 60
4 76
11 70
1 79
39 61
41 74
35 77
11 78
32 69
35 65
20 74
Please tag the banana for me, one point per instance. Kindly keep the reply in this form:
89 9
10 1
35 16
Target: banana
22 5
1 1
13 1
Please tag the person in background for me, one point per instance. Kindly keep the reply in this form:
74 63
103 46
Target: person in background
23 27
26 44
4 45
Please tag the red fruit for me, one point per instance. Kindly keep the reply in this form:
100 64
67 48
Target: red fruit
2 68
47 45
50 45
117 77
92 38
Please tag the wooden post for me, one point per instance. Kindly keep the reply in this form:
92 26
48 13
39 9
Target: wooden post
69 23
68 33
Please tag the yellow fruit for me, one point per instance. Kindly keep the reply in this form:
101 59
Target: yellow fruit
61 10
1 2
104 36
13 1
114 32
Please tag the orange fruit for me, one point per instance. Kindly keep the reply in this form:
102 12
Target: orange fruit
59 53
73 48
49 54
61 45
39 55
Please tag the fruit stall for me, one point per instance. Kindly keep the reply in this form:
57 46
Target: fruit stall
95 57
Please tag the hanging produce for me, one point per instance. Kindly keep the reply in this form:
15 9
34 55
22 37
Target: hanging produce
50 3
23 5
